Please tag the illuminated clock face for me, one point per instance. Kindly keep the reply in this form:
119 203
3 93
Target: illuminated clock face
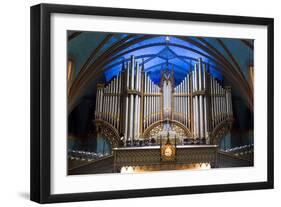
168 152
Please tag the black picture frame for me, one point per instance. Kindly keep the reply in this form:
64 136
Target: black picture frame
41 96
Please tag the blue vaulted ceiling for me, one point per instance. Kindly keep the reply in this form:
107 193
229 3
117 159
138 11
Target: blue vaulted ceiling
158 52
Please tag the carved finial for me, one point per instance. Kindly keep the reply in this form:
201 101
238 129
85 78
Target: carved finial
167 39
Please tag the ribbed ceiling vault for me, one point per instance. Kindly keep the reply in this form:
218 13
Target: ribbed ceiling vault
107 54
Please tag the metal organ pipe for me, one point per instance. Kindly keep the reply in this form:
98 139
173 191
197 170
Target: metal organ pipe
135 112
131 114
110 102
115 102
206 114
216 101
136 108
194 104
145 101
225 109
103 108
221 98
138 101
155 100
152 103
220 109
100 103
118 102
188 101
220 105
159 104
100 90
132 64
105 104
155 103
183 100
230 102
177 104
97 112
197 103
223 103
148 101
201 121
97 99
212 99
111 109
227 103
126 128
179 98
107 99
180 103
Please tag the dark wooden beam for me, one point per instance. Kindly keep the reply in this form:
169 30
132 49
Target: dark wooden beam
73 35
248 44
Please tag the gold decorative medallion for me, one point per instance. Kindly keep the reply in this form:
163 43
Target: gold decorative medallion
168 151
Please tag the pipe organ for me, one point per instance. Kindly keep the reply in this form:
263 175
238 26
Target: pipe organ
132 103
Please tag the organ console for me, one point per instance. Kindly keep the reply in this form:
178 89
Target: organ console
132 103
